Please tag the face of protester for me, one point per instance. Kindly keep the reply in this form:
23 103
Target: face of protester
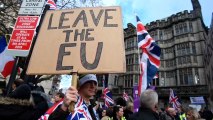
189 116
88 89
57 98
172 112
120 113
13 86
103 113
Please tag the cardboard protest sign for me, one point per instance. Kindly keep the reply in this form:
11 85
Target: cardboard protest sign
83 40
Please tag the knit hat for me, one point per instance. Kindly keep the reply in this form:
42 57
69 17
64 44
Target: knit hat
86 78
21 92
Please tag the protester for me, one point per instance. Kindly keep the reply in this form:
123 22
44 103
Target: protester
162 114
201 112
118 113
87 88
58 97
21 105
110 111
181 113
207 114
17 83
129 109
98 109
192 114
105 115
120 101
148 106
171 114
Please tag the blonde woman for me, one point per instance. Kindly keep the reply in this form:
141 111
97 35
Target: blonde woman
192 114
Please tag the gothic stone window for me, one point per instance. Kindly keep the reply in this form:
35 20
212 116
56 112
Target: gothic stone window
160 35
186 77
185 28
177 30
190 27
193 48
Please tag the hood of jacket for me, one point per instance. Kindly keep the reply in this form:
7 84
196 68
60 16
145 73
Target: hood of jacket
13 101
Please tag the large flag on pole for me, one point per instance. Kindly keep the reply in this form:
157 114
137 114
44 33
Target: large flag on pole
150 59
6 62
108 101
173 99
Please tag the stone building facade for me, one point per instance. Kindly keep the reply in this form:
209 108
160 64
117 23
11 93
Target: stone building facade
125 82
182 39
208 61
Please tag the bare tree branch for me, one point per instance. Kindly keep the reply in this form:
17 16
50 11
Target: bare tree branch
45 78
68 4
8 13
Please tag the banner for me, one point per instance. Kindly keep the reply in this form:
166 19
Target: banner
197 100
83 40
136 98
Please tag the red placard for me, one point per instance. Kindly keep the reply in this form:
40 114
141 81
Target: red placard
26 22
21 40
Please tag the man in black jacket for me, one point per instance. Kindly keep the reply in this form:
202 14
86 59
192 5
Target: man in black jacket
148 108
87 88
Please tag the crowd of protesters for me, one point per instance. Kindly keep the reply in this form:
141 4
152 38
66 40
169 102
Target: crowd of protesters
29 102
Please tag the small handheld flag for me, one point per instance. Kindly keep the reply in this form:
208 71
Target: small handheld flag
173 99
125 96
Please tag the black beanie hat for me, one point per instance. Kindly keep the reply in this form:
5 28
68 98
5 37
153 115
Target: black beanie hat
21 92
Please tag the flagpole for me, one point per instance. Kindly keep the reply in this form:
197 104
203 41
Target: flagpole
138 57
24 75
12 76
74 84
103 89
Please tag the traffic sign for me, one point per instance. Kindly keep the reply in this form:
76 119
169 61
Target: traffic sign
20 42
21 39
26 22
31 7
32 3
22 36
30 11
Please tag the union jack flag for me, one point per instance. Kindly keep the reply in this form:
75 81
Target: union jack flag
173 99
107 95
150 59
125 96
52 4
50 110
80 113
